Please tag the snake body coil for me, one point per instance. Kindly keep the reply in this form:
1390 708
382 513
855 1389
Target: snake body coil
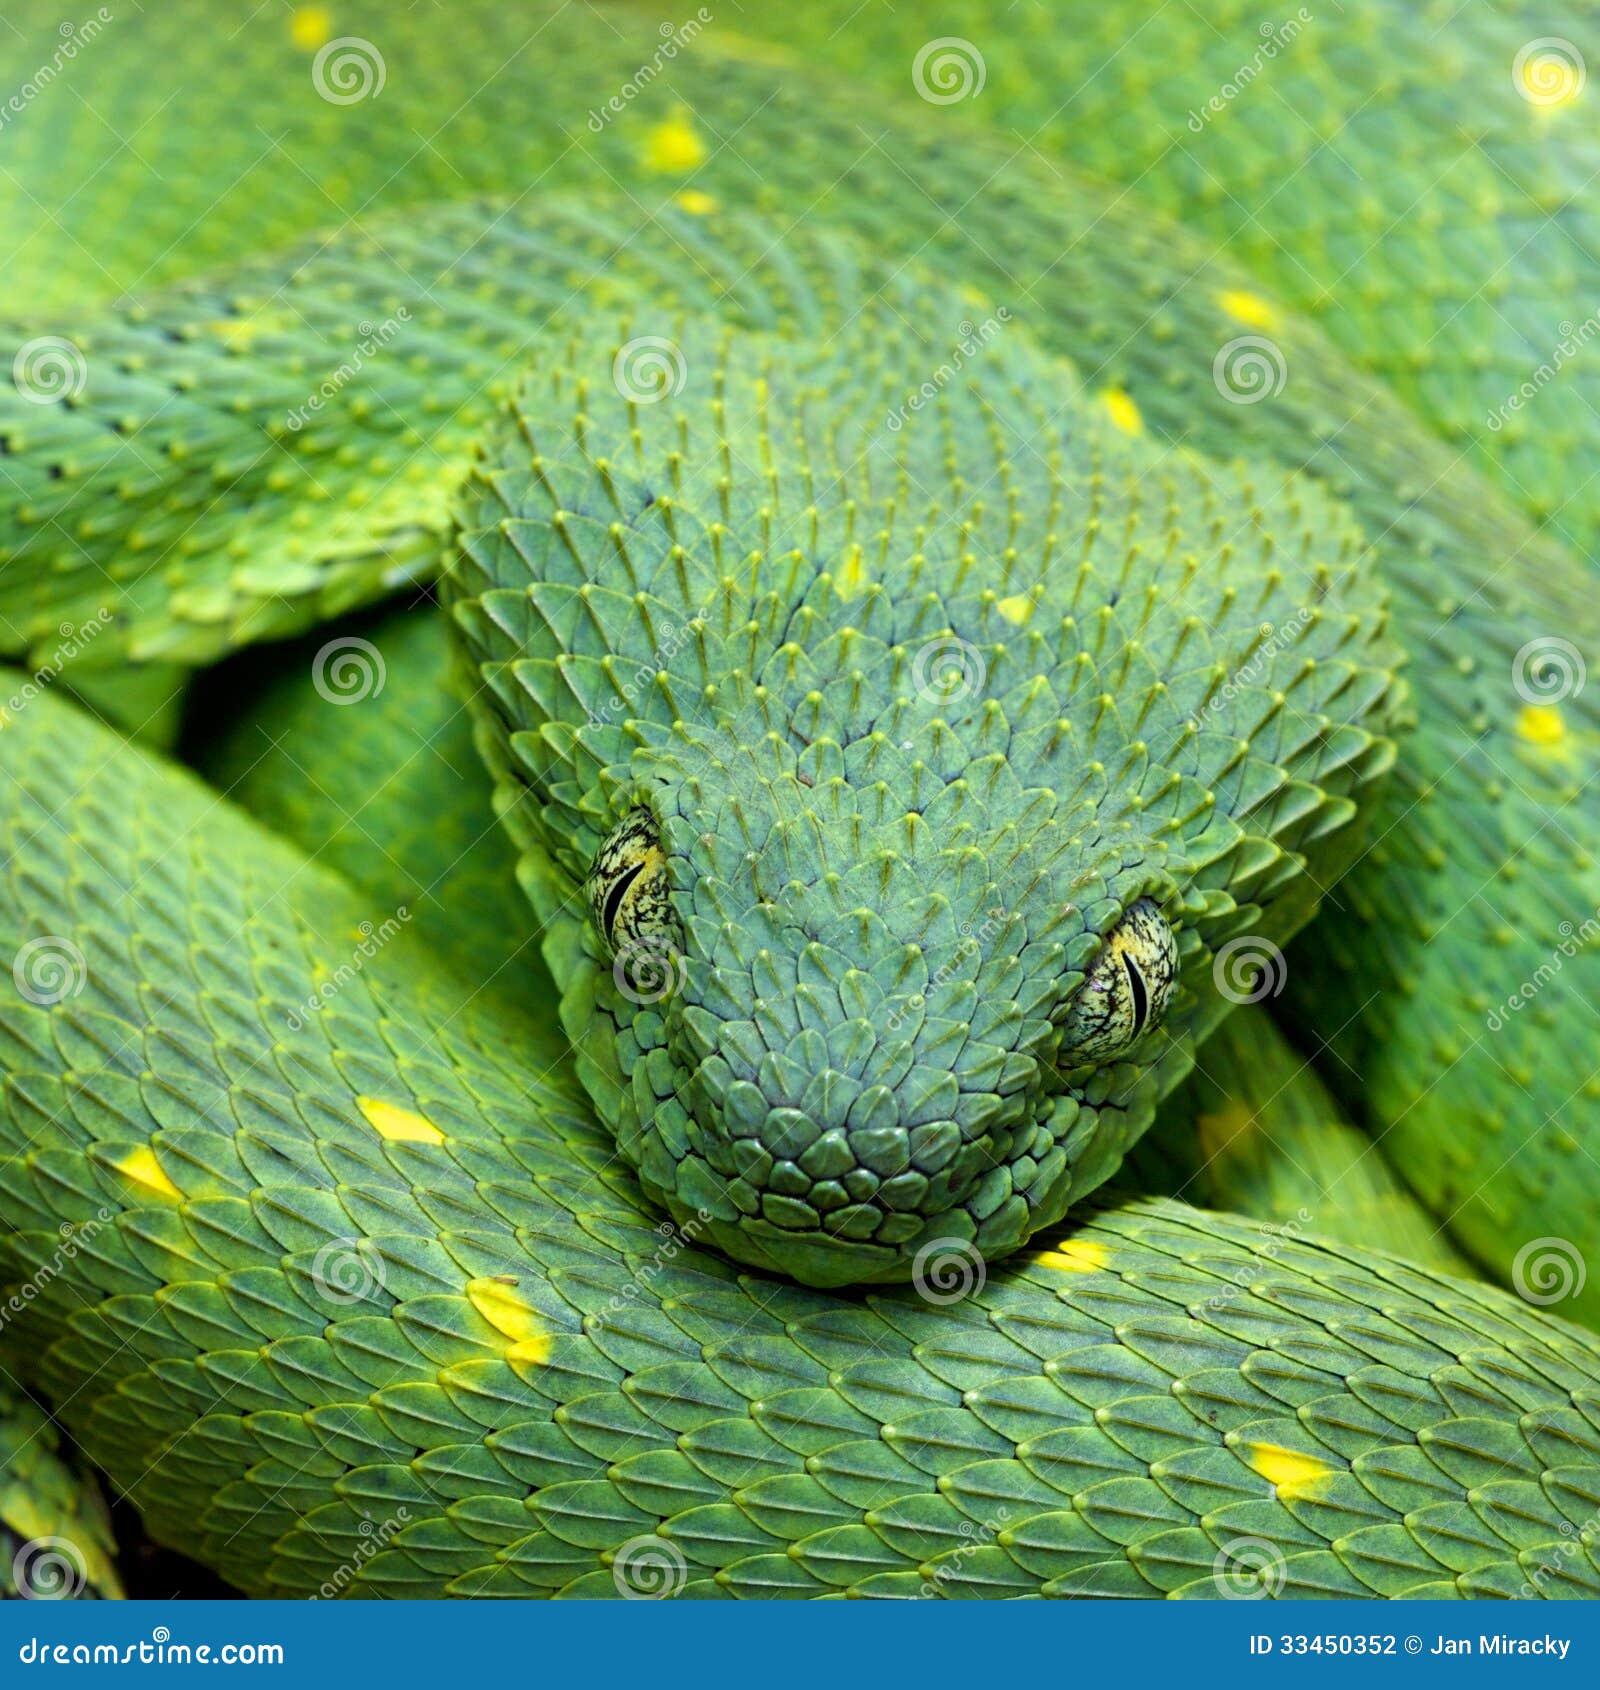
909 680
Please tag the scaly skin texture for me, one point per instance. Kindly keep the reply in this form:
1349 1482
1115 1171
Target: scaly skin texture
401 807
420 1146
1416 177
1483 849
436 1343
1255 1131
55 1532
919 714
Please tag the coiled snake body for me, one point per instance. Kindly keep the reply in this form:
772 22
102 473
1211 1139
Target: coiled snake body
898 729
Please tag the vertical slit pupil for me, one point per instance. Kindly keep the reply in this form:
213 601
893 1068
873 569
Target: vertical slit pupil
1141 994
619 887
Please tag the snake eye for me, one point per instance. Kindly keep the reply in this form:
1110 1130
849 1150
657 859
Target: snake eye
1127 990
627 885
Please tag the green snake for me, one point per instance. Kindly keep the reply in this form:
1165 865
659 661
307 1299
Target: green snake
901 680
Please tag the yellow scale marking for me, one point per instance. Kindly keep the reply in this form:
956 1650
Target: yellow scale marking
1075 1255
1290 1472
1124 413
1541 724
1248 308
399 1126
1017 608
674 146
851 576
310 27
140 1166
512 1316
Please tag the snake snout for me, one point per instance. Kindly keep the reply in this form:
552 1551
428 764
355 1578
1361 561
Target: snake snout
820 1091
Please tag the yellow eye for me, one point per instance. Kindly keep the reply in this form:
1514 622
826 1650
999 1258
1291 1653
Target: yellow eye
627 886
1127 991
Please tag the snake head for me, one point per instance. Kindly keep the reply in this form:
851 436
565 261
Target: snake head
850 1037
885 792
